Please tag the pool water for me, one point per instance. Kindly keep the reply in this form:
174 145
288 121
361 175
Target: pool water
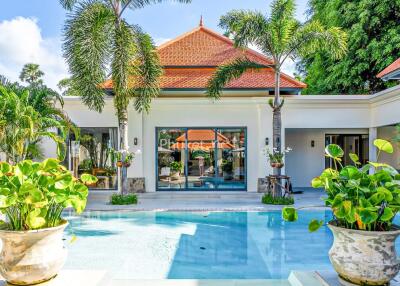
197 245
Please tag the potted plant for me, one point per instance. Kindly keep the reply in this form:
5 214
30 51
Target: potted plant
275 157
32 198
124 158
176 169
364 201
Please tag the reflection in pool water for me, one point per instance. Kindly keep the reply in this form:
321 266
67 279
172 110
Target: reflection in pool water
215 245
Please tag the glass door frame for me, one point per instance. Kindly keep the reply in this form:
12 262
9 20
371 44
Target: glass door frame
362 153
186 188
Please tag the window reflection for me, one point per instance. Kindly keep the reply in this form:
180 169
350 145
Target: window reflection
201 158
92 155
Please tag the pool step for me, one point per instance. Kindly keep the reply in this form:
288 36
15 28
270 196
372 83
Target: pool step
306 278
201 195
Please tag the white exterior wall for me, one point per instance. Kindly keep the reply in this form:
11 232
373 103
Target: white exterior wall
388 133
305 162
304 112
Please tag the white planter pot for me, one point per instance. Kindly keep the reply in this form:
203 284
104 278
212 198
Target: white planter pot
364 257
31 257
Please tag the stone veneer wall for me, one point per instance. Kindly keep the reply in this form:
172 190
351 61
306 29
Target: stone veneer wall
136 185
262 185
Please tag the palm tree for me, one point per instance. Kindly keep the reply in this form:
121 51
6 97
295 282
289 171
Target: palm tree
68 87
31 74
279 36
23 125
97 37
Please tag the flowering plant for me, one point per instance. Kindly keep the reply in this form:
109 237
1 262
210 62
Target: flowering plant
276 156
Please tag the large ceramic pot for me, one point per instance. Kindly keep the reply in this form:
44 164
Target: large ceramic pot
31 257
364 257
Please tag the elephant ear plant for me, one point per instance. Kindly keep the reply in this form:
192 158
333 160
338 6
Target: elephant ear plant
33 195
361 197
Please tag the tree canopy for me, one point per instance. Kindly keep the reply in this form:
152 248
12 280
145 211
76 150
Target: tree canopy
374 42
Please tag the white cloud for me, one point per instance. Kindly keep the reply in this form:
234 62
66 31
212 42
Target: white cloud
21 42
160 41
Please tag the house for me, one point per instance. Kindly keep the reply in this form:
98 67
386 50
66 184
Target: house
189 142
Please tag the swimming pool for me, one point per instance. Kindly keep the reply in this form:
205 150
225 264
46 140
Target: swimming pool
197 245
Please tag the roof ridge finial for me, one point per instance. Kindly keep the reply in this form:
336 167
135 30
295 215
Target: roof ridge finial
201 21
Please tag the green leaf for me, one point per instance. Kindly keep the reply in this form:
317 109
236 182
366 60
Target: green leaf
354 158
88 179
34 219
25 167
388 195
317 183
50 164
350 172
314 225
387 214
329 173
63 181
334 151
383 145
289 214
78 205
367 216
5 168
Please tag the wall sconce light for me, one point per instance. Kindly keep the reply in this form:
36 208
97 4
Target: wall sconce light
135 141
266 141
312 143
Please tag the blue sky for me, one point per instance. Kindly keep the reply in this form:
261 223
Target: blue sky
31 30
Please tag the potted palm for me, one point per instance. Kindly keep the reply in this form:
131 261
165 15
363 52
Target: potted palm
276 157
33 196
364 201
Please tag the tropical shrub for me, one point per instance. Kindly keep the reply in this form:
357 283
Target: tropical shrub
27 115
269 199
360 199
33 195
118 199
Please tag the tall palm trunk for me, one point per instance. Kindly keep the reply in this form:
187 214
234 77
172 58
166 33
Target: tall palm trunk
122 116
123 145
277 125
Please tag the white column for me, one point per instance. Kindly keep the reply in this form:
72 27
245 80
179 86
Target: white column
373 133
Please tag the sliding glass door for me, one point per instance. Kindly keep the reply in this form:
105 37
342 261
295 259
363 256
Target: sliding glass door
201 159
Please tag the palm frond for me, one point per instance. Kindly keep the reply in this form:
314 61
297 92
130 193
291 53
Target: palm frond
313 37
137 4
68 4
226 73
123 51
282 25
245 26
88 33
146 70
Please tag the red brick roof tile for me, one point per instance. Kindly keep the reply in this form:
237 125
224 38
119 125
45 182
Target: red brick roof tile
391 68
191 59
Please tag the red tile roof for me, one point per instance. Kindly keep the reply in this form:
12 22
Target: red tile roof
191 59
203 47
391 68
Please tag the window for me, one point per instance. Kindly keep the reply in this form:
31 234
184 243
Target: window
201 159
91 154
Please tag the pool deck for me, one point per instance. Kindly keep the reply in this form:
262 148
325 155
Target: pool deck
201 201
100 278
